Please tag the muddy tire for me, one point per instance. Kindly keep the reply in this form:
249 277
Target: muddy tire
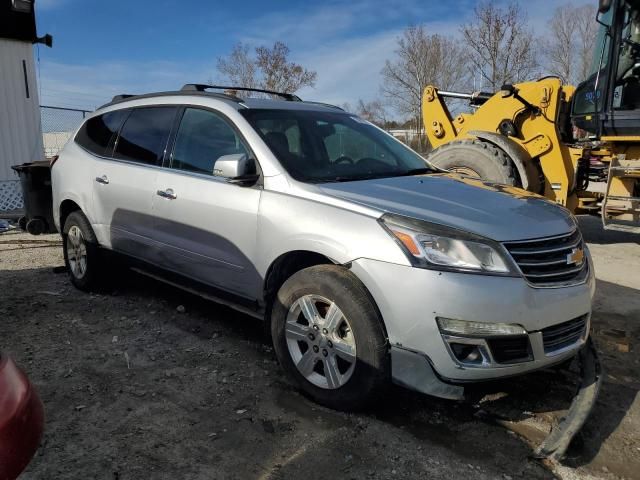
329 337
476 158
81 253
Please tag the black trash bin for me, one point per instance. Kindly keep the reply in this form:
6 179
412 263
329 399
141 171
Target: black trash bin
35 180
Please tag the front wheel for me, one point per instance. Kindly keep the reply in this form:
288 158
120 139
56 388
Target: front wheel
328 336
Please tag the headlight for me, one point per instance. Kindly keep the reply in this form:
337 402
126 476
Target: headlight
433 246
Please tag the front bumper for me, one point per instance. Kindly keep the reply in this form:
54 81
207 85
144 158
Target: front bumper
410 299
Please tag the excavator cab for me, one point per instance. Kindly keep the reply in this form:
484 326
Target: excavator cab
608 102
607 106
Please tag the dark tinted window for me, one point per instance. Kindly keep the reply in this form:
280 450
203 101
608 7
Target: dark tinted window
144 135
202 138
97 132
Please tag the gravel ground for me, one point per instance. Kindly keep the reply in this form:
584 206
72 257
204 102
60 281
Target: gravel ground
149 382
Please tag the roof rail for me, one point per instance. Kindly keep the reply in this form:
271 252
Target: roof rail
123 96
199 87
325 105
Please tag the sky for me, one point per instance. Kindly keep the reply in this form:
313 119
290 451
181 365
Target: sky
104 48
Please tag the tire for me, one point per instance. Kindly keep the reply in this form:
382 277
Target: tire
78 239
36 226
477 159
343 367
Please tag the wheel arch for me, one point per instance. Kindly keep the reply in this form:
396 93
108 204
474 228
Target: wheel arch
284 266
66 208
525 166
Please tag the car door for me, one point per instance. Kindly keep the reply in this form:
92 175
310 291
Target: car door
124 184
207 226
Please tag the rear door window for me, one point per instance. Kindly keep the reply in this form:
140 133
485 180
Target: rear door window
203 137
144 135
97 132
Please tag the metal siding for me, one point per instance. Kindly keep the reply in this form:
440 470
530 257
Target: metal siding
20 130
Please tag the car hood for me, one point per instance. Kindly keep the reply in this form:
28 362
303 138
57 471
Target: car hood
494 211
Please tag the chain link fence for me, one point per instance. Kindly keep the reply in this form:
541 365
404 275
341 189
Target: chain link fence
58 124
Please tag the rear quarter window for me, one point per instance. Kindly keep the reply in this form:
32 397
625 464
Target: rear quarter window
97 132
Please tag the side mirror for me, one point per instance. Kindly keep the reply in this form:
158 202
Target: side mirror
236 168
604 6
231 166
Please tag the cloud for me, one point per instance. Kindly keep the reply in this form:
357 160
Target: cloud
88 86
348 70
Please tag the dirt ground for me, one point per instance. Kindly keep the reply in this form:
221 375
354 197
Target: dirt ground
149 382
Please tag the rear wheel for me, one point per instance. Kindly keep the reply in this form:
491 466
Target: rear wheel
478 159
329 338
81 254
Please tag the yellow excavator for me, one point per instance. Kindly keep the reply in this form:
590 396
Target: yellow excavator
577 146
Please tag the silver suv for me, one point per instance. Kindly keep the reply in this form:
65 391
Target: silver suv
368 263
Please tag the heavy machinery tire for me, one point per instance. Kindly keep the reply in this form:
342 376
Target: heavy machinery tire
476 158
329 338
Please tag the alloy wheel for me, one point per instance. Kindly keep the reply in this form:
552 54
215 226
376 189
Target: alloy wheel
320 341
76 252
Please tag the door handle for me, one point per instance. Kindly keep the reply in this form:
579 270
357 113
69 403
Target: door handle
103 179
168 193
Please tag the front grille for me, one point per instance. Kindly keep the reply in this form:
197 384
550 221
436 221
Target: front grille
564 334
510 349
548 262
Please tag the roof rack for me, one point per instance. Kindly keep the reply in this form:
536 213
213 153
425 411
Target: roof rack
199 87
123 96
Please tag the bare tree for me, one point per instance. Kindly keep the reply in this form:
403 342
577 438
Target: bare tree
557 45
238 69
270 69
278 73
500 44
569 42
421 60
587 29
373 111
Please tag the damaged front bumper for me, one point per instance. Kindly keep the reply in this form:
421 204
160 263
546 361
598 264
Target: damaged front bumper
414 371
557 442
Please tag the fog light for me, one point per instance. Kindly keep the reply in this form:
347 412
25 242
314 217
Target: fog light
466 353
463 328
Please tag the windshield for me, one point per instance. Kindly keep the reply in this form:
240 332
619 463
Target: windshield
601 43
332 147
589 94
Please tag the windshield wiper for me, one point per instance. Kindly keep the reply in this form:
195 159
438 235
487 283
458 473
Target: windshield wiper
371 176
418 171
354 178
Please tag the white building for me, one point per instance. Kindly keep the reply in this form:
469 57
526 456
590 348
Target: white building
20 129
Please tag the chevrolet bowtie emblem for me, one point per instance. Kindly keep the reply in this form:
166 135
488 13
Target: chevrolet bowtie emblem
575 257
